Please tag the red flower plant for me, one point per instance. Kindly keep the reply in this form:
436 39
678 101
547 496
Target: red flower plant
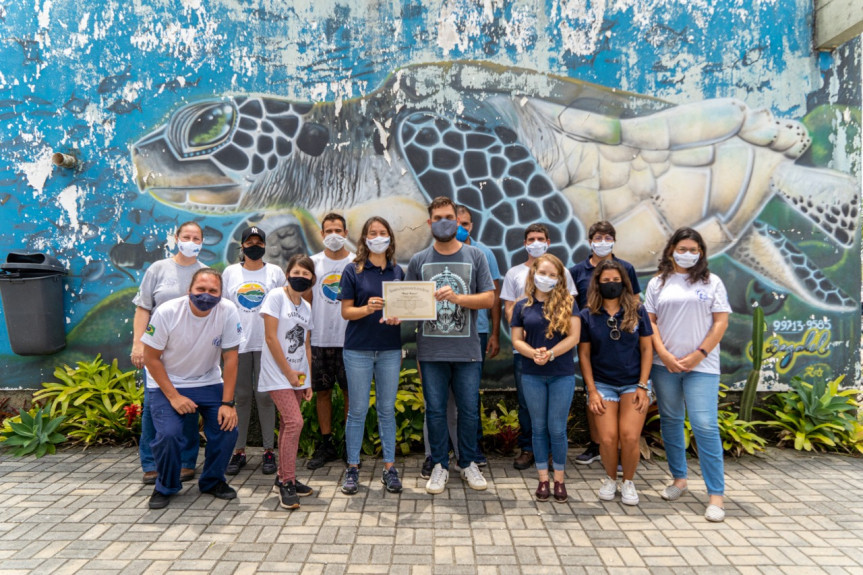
132 413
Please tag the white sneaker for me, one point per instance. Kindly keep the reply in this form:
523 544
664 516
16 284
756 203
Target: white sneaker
628 493
474 477
438 479
608 490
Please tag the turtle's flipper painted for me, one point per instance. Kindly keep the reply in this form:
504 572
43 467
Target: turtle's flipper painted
492 173
766 251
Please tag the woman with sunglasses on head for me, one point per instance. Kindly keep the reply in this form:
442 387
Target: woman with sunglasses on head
545 329
615 354
373 349
688 309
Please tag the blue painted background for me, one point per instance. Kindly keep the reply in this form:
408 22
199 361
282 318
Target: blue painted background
91 78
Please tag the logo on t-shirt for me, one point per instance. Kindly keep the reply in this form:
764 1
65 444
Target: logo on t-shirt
250 295
239 328
452 320
151 329
217 341
702 295
295 337
330 286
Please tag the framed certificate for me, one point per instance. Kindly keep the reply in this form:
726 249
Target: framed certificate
410 300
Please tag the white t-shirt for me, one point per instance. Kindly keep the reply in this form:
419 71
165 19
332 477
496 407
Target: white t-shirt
164 281
294 322
247 290
684 315
515 280
191 345
326 308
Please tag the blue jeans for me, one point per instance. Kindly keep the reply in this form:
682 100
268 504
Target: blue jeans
483 343
189 455
360 366
549 399
463 378
696 394
525 433
170 440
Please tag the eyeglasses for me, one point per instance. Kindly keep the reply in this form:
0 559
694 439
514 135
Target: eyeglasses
615 332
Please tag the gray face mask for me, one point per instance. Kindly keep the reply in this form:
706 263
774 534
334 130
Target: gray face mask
334 242
444 230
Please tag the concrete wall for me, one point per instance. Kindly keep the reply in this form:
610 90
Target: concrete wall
651 113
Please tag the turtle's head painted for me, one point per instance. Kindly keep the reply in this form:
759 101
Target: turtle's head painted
211 153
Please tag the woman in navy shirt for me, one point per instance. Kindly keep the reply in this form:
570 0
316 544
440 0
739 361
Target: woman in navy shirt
545 329
615 353
372 348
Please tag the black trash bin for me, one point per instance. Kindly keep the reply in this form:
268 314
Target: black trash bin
31 288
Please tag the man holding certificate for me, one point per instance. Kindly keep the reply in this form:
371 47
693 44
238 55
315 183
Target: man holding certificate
448 348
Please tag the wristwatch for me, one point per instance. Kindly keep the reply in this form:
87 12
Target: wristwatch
551 355
231 403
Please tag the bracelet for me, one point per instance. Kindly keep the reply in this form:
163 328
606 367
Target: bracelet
701 349
642 385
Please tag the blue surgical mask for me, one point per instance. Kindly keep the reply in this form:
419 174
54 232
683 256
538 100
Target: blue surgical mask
204 301
462 234
444 230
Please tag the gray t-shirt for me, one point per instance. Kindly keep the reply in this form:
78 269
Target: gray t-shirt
164 281
453 336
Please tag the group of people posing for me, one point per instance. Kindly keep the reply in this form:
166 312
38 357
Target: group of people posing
282 335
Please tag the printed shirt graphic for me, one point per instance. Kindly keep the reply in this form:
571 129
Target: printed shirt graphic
326 308
294 322
453 336
191 345
247 290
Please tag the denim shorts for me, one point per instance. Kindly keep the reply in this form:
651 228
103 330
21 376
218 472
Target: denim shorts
610 392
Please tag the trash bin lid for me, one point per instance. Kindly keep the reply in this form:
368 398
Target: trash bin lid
30 262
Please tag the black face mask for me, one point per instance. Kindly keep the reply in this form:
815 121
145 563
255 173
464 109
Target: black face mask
254 252
611 290
299 284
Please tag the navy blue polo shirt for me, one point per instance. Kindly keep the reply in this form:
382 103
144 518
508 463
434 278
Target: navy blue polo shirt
582 272
531 320
614 362
368 334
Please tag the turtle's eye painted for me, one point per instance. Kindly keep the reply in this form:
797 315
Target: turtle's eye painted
211 127
203 128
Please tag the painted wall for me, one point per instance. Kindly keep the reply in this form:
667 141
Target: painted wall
651 113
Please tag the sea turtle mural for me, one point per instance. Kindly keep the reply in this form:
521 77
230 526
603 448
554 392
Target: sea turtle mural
516 146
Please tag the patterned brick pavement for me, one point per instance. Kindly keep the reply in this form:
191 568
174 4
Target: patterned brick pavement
80 512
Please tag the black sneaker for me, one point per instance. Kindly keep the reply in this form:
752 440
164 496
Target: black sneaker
426 470
302 489
159 500
237 462
390 479
590 454
324 453
288 497
222 490
269 466
352 481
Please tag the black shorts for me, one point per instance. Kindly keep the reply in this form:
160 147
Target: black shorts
328 367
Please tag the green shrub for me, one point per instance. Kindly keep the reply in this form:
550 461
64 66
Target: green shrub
816 416
101 404
33 432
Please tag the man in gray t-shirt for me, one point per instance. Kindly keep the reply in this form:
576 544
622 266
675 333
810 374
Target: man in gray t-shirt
448 348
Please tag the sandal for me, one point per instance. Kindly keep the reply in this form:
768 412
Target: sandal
715 513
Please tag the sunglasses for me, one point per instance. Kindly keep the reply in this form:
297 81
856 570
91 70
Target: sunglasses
615 331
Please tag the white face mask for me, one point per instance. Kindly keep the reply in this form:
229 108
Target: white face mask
189 249
544 283
334 242
378 245
686 260
536 249
602 249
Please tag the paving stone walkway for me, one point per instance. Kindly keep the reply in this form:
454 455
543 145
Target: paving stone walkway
86 512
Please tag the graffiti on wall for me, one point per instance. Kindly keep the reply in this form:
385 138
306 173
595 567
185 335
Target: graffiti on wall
642 114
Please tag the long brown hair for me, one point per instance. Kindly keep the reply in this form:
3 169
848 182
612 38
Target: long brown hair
362 256
557 308
628 301
696 273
